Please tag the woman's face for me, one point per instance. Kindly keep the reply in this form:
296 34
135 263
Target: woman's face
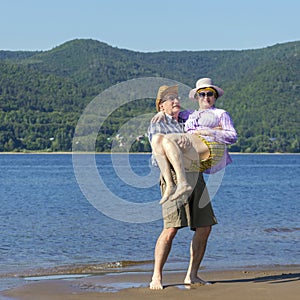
206 99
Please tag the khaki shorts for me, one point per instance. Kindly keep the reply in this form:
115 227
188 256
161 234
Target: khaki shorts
194 211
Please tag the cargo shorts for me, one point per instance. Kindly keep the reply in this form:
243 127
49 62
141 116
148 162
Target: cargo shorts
191 211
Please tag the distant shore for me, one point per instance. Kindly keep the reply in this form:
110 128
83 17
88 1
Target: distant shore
276 283
62 152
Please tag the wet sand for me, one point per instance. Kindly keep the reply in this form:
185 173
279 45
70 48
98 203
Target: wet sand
280 283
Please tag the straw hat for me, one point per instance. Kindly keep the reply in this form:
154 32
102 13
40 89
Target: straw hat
164 90
205 83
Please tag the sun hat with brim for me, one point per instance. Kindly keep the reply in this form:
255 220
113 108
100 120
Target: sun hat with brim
163 91
205 83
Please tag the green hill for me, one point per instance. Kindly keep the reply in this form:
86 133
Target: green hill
43 93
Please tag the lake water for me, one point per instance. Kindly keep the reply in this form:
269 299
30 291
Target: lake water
48 226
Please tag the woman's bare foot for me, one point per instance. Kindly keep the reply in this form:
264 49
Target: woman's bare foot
195 280
156 284
181 190
168 192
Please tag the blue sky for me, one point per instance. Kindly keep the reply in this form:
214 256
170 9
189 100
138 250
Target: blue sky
149 25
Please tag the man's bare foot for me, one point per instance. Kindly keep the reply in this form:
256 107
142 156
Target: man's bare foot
181 190
156 284
195 280
168 192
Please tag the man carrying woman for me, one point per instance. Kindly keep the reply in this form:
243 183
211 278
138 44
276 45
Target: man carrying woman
208 131
184 211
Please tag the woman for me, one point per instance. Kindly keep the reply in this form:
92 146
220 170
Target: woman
208 129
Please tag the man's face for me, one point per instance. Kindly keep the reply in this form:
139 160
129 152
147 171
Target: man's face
170 104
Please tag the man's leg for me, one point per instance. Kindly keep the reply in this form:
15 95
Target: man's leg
162 250
197 250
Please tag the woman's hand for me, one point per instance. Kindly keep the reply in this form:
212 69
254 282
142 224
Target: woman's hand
218 128
208 131
203 132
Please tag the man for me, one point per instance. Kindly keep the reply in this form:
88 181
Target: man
182 214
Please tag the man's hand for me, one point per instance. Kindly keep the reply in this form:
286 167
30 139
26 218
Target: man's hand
160 116
183 142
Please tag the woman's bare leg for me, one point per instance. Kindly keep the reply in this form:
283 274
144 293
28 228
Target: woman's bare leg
175 157
167 151
197 145
182 158
164 165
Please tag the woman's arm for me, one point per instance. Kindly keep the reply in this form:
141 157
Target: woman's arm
227 134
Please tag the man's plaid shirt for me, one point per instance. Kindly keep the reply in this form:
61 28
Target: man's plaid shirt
169 125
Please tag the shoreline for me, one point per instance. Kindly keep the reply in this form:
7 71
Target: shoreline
140 153
274 283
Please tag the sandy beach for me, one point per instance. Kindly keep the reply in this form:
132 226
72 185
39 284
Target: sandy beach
273 283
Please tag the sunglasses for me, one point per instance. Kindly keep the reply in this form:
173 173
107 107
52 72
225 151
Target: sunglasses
208 94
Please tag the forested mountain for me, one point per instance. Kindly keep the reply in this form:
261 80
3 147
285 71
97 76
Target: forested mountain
43 93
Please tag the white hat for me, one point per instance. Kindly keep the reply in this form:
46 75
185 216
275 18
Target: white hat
202 84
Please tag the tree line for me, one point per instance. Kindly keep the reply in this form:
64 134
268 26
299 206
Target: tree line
43 93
